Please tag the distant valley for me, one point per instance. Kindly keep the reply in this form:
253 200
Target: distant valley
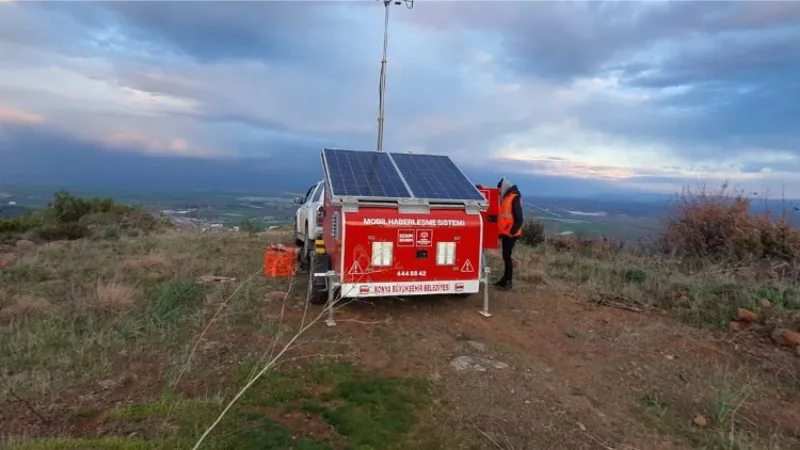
614 217
218 209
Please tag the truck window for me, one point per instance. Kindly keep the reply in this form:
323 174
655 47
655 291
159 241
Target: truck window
318 193
308 194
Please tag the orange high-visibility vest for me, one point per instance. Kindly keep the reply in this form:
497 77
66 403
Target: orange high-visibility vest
505 220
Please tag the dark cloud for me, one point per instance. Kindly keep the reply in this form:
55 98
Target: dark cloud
705 81
281 31
742 60
737 61
710 119
568 39
36 155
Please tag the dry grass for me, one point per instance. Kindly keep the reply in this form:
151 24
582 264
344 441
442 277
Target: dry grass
707 296
24 307
7 259
151 261
52 352
114 297
25 245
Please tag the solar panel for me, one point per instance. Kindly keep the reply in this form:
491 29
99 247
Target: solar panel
435 177
363 174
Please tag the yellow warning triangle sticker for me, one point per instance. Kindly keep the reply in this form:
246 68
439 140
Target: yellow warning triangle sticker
356 269
467 267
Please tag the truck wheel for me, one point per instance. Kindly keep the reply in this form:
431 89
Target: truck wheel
304 255
297 241
317 288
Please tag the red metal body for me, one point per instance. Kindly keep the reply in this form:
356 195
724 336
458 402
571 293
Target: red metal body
491 233
415 267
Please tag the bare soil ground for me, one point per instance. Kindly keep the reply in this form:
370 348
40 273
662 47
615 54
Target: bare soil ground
85 368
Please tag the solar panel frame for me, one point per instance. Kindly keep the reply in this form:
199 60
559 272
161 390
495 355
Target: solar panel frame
435 177
363 174
377 176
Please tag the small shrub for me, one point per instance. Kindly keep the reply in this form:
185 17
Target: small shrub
532 233
67 208
720 226
110 233
22 223
250 226
101 219
70 217
61 231
139 219
635 276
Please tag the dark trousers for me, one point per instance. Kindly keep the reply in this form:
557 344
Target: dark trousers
508 246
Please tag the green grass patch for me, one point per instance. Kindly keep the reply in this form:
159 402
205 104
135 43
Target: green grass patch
160 409
105 443
714 294
373 411
243 427
177 298
635 276
674 417
263 433
788 298
712 305
83 412
366 410
369 410
25 273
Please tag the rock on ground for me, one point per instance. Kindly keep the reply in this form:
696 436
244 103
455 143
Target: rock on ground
476 363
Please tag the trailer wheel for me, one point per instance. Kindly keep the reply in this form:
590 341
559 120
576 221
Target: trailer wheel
305 254
317 287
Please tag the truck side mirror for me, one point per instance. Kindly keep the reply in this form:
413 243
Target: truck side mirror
299 199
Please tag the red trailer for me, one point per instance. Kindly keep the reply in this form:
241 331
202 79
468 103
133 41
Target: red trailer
398 224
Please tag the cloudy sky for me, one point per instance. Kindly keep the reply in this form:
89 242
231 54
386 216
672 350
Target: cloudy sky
561 96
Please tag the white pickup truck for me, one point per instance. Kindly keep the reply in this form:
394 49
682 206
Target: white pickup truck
307 219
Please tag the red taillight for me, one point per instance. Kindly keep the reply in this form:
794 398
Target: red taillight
320 216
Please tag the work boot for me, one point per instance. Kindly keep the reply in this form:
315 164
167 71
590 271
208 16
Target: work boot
500 284
506 287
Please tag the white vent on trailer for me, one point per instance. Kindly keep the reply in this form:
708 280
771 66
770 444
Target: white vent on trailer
382 254
335 225
445 253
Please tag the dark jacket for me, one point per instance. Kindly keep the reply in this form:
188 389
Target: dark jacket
516 208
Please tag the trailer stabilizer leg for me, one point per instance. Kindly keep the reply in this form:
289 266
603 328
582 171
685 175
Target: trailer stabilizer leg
331 299
485 311
486 272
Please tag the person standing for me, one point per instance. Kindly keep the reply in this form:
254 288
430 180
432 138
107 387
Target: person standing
510 228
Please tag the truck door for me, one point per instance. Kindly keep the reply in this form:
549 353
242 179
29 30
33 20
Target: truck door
302 212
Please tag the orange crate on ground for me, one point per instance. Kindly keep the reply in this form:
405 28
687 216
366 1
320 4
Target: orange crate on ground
279 261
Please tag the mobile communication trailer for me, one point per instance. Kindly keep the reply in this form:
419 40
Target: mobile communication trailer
399 224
